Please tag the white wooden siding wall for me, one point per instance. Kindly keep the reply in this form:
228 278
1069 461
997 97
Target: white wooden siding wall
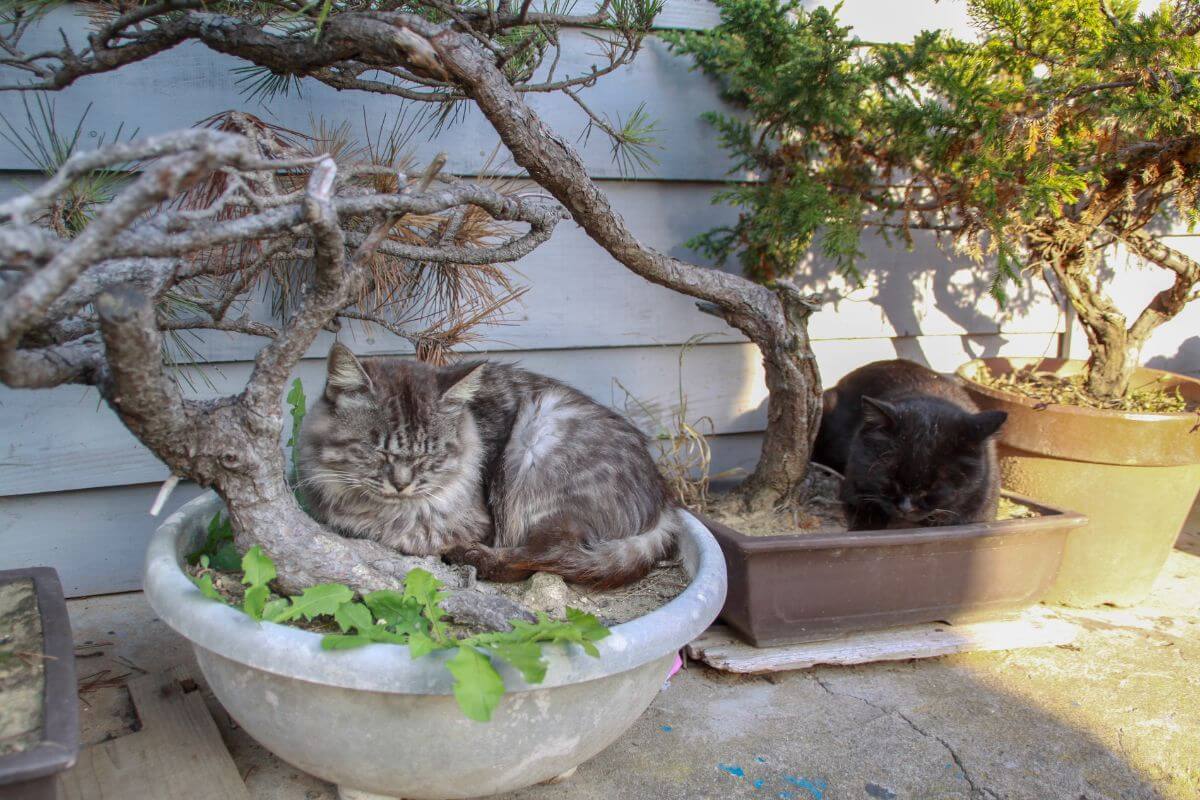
75 486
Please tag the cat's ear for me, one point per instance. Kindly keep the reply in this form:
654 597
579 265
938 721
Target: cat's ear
345 374
986 423
464 383
877 414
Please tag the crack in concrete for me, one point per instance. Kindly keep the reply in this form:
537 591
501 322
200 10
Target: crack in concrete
977 791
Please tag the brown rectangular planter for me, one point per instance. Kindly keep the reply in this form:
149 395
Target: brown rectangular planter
31 774
790 589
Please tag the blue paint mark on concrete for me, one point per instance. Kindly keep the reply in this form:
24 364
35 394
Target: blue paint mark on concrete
665 728
760 759
785 796
817 790
733 769
758 784
880 792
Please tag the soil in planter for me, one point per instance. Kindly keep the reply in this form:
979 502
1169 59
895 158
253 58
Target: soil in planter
22 678
1154 397
541 592
821 512
550 593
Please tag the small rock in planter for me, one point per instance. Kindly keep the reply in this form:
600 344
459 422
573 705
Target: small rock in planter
545 591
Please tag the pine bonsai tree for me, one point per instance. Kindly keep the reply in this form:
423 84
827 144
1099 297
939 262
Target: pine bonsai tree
1066 127
91 301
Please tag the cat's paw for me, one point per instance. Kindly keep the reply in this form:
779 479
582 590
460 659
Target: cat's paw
470 555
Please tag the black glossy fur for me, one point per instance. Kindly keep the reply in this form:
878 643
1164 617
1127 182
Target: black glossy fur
914 450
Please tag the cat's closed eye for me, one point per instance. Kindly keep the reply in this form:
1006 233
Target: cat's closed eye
357 450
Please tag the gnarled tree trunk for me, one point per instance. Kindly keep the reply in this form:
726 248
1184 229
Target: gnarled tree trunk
793 411
775 322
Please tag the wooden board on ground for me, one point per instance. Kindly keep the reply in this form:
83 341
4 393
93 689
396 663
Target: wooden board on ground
720 647
177 755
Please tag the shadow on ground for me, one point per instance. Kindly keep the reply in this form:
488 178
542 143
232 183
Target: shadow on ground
1115 715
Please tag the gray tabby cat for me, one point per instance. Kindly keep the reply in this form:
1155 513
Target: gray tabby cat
485 464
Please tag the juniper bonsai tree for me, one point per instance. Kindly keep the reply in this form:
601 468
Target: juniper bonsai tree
90 302
1065 127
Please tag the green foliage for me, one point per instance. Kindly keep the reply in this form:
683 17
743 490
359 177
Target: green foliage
255 82
42 141
315 601
414 618
298 405
477 686
205 584
218 546
424 590
257 568
1053 127
631 139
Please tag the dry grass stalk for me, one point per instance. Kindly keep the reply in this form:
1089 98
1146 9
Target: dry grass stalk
1151 397
681 444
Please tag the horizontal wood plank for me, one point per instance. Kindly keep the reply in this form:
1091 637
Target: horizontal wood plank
580 297
145 96
63 439
95 538
721 649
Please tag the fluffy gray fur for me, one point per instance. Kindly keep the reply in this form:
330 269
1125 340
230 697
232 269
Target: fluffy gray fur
486 464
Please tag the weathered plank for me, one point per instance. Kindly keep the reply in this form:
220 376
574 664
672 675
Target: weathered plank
177 754
63 439
145 97
579 297
95 538
721 649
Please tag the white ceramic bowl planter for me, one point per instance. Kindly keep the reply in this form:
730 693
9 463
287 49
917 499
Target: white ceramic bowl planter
378 723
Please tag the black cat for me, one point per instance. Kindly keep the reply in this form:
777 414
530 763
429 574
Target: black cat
914 449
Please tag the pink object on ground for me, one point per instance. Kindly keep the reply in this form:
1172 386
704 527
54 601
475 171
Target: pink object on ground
678 665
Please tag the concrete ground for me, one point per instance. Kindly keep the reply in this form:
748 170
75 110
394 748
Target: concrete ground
1116 715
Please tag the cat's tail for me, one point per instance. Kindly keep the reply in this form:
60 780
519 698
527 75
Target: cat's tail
617 562
565 551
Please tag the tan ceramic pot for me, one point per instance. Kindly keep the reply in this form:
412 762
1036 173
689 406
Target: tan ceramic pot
1135 476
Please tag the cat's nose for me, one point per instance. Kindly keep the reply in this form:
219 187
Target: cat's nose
401 476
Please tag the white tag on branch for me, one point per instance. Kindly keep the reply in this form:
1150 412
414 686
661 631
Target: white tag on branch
164 492
320 182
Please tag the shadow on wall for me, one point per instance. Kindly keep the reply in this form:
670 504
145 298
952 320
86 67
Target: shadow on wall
1186 360
908 286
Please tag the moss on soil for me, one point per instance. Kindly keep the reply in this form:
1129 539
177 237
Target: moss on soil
22 678
1154 397
822 511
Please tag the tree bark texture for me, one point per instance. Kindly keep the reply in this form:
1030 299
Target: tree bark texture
777 326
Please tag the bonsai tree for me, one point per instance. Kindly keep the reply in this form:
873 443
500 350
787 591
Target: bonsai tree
90 290
93 281
1066 127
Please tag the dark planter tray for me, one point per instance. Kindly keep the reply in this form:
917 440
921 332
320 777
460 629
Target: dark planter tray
32 773
791 589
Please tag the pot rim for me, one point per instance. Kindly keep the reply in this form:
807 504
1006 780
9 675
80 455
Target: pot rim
965 373
388 668
59 745
1049 518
